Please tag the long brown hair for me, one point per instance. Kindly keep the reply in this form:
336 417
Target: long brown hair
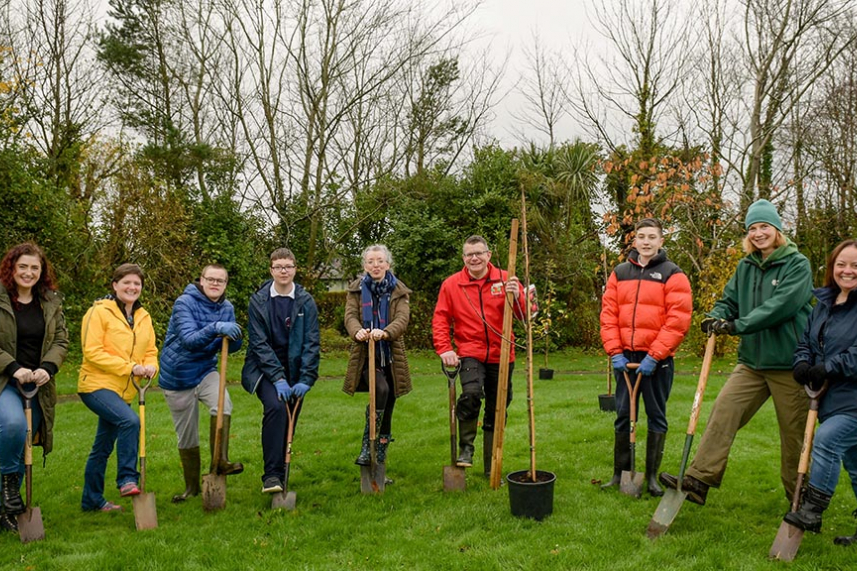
47 280
831 261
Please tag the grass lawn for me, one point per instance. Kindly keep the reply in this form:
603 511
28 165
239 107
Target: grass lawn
415 525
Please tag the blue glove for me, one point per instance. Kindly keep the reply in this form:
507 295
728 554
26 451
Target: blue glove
284 391
620 363
228 328
648 366
300 389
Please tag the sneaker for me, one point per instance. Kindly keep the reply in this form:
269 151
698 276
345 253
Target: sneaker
111 507
272 485
129 489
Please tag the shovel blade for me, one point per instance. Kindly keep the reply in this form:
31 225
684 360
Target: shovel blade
631 484
213 492
372 481
145 512
453 479
30 526
786 543
284 501
666 512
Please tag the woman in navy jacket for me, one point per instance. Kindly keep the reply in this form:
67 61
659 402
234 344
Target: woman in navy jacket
828 351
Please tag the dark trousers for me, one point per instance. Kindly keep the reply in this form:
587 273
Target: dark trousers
275 422
385 394
655 390
479 379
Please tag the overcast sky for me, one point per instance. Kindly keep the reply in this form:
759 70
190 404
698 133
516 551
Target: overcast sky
511 24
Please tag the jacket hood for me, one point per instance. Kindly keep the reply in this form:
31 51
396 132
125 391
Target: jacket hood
783 251
828 294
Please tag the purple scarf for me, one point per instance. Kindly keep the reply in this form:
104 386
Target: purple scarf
375 305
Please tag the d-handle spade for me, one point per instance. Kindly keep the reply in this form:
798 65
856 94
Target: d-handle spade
372 477
286 499
30 526
631 483
214 483
672 501
453 476
789 537
145 511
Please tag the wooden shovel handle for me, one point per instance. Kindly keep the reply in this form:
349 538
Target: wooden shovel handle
221 397
707 358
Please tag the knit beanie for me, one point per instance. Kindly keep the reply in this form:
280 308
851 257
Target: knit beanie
763 211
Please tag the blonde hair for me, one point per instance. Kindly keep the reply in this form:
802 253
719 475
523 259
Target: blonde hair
749 248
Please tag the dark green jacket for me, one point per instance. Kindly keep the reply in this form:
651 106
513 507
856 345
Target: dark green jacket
769 301
54 349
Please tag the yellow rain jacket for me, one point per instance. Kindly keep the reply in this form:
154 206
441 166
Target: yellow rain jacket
111 348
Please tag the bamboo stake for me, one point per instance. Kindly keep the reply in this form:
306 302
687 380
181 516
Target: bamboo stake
503 377
529 326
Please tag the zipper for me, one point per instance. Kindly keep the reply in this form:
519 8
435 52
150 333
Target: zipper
484 323
636 303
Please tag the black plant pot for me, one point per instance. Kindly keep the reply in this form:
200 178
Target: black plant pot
531 499
607 402
546 374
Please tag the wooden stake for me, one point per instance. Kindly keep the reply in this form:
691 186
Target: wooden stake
503 377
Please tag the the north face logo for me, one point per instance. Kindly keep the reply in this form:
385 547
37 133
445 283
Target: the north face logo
656 275
775 282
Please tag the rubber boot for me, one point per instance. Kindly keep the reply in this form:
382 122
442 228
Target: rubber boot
466 436
190 468
12 502
487 450
383 442
654 454
847 540
365 457
808 517
226 467
621 458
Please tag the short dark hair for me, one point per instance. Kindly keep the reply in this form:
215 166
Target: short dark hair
649 223
828 271
213 267
283 254
476 239
127 270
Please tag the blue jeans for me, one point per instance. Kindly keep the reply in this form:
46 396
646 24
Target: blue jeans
118 424
835 442
13 429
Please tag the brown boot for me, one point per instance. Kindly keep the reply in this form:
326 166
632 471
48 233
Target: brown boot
226 467
190 467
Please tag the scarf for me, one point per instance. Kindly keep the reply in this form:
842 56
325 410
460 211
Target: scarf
375 305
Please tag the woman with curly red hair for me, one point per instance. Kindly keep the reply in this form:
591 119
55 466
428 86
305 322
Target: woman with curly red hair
33 345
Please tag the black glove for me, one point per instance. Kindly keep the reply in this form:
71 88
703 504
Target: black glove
723 327
707 325
816 376
801 372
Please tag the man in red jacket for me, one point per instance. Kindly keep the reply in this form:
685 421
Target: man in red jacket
470 305
645 314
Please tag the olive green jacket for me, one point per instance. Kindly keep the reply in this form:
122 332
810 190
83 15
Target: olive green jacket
54 349
400 314
769 303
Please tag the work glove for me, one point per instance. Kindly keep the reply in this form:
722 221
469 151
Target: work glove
300 389
647 366
816 376
284 391
801 372
229 329
723 327
620 363
707 325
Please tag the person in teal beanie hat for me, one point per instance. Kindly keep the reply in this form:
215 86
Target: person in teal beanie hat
766 303
763 211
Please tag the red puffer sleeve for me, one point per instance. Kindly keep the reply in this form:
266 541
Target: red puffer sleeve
679 309
611 337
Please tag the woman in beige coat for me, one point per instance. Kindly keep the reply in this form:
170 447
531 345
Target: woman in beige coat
377 306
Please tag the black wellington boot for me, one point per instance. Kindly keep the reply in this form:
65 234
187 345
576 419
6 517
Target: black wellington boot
466 436
847 540
621 458
190 468
654 454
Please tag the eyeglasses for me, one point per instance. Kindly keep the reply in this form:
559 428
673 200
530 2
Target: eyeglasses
476 254
215 281
282 268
